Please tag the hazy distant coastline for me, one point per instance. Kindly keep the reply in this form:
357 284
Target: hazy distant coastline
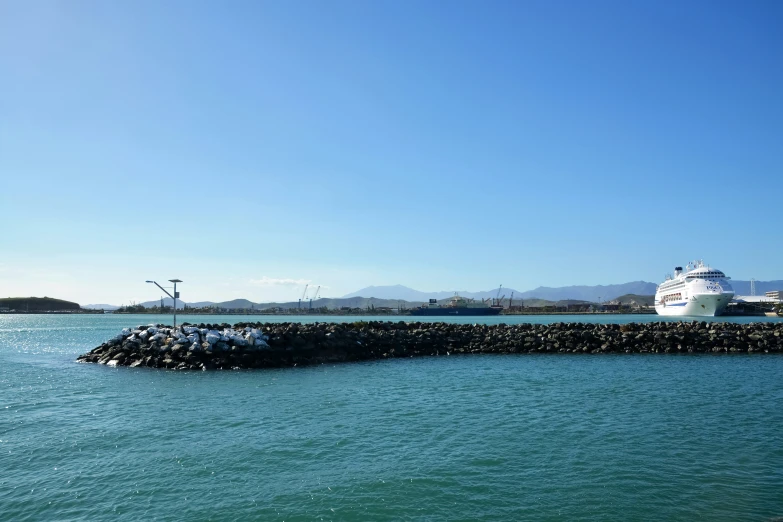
399 296
395 299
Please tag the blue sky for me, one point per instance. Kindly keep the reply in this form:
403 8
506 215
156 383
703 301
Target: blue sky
248 147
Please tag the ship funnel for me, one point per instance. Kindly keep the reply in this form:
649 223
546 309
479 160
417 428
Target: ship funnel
677 271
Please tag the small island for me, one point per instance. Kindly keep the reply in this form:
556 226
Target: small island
41 305
276 345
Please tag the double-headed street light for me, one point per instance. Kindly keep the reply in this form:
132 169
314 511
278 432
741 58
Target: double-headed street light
174 297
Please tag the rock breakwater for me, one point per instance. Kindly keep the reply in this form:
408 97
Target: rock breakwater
275 345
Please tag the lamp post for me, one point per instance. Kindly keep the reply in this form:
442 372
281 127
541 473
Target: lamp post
174 297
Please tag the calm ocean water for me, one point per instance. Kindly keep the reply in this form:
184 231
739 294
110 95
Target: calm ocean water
513 437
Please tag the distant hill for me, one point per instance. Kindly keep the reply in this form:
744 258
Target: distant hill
235 303
350 302
180 304
37 304
532 303
196 304
631 299
572 302
100 307
591 293
166 302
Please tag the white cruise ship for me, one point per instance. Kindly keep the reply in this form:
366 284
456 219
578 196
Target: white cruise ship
697 291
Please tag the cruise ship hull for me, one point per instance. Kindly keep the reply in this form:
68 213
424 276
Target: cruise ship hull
708 305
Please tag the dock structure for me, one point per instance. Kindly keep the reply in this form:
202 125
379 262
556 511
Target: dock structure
776 294
754 304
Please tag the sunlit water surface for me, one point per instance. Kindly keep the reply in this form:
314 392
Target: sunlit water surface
512 437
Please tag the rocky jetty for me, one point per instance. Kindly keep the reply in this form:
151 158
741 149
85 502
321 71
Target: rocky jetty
275 345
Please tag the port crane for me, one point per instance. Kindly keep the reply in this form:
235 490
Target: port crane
303 296
497 297
314 297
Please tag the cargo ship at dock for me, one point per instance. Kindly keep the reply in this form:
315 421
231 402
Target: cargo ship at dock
458 306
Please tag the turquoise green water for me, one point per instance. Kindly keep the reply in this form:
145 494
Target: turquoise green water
516 437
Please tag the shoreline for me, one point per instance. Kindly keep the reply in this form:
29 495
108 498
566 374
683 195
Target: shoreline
248 345
378 314
56 312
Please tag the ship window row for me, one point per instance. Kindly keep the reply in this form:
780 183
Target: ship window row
709 275
673 297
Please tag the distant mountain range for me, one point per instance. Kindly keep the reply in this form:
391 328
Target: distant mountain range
403 293
743 287
591 293
390 296
580 293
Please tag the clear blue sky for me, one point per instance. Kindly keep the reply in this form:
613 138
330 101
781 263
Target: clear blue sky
246 147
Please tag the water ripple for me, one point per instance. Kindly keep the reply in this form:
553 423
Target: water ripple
465 438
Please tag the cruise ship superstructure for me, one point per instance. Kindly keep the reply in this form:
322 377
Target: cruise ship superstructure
699 290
